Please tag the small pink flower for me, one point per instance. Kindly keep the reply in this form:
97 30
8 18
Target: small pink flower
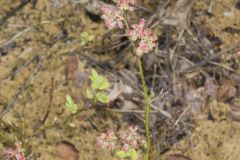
125 147
146 45
147 39
107 140
112 17
124 4
131 138
17 152
137 30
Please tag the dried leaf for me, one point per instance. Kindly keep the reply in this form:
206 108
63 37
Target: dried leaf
226 91
211 86
181 66
80 79
118 90
236 79
148 61
67 151
129 105
178 17
71 66
178 157
234 114
235 107
196 102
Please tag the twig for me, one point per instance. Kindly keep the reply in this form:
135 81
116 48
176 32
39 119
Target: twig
15 37
50 101
223 66
181 115
129 111
211 58
21 89
57 123
14 72
165 113
168 60
14 11
111 48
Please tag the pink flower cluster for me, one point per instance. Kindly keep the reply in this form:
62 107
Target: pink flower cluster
17 152
147 39
131 139
107 140
112 17
124 4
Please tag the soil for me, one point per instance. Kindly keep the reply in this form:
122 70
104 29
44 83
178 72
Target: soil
36 46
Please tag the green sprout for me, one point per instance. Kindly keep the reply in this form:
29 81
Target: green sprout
99 84
70 104
131 153
85 37
98 81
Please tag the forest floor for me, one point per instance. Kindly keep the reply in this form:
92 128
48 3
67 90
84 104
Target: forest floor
41 56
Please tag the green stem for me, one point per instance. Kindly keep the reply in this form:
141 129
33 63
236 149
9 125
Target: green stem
146 97
147 109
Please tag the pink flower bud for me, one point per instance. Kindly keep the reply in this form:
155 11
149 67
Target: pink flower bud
124 4
112 17
17 152
107 140
131 138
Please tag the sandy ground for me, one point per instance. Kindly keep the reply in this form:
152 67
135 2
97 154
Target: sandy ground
39 32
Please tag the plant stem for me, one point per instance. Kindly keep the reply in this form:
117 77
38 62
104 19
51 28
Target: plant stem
147 108
146 97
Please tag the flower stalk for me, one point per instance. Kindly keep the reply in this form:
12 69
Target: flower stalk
146 97
147 109
114 17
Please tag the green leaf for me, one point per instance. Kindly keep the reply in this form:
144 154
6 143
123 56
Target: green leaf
89 94
85 37
91 38
102 97
98 81
70 104
132 153
84 34
121 154
82 43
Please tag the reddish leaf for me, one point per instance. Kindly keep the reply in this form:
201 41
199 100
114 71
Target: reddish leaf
226 91
67 151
